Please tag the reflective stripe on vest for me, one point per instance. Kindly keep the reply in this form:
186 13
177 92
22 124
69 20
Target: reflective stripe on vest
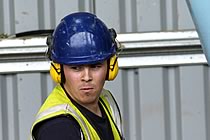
66 108
114 110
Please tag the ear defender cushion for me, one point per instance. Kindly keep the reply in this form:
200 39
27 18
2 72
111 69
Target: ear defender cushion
113 68
55 72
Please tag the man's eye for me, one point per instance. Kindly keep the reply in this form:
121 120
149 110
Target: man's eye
95 66
77 68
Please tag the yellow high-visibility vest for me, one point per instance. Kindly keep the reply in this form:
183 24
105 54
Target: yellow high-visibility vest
58 103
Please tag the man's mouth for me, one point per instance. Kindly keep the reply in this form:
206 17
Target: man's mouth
86 88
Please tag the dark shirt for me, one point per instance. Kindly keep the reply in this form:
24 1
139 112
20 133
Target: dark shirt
58 128
67 128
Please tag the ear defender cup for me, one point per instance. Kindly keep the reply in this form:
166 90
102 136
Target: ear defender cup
55 72
113 68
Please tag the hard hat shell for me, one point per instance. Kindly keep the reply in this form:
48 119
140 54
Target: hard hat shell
81 38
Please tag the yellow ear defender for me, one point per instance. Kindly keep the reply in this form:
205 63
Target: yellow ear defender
113 68
55 72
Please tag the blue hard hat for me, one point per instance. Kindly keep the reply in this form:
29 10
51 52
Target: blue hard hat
81 38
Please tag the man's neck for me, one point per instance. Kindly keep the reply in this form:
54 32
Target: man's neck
94 108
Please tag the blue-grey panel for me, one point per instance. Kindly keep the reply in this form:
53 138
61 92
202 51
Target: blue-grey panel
184 18
109 12
26 15
192 94
149 15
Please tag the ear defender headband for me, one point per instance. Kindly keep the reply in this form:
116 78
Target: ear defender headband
55 68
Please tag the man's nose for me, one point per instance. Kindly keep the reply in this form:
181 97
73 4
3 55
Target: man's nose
87 74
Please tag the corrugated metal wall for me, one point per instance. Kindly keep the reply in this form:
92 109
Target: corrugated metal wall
162 103
124 15
157 102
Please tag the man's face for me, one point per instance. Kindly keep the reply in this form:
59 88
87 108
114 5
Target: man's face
84 83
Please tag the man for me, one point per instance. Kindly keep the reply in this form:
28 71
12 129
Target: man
83 54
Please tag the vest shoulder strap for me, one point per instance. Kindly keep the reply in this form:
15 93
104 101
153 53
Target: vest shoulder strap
113 107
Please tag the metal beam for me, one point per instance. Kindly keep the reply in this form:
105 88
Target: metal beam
139 50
